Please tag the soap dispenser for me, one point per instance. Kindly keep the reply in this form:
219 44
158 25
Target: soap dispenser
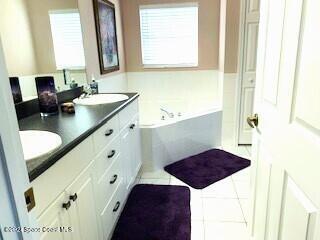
94 86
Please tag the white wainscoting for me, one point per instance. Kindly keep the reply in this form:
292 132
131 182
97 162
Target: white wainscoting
176 90
229 108
28 84
113 83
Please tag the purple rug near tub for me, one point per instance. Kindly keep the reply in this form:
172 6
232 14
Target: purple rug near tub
200 171
155 212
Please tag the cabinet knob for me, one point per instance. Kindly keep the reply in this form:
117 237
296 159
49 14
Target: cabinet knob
109 132
66 205
116 207
73 197
132 126
113 152
114 179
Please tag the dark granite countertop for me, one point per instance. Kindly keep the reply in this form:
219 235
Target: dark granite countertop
72 128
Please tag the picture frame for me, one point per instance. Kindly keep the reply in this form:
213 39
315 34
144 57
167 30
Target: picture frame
106 33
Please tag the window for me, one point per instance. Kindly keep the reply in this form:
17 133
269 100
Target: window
67 39
169 35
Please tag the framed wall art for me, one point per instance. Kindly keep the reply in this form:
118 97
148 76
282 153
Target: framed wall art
105 21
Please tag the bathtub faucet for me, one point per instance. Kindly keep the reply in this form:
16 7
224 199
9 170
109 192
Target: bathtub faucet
170 114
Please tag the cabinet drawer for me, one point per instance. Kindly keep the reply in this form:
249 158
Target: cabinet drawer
110 213
104 135
108 183
128 113
106 157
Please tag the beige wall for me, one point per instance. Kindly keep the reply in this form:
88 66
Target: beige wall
41 30
208 33
90 40
16 38
232 36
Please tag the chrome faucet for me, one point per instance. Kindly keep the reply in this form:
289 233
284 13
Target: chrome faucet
170 114
87 92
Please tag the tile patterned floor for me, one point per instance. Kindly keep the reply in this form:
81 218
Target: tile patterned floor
218 212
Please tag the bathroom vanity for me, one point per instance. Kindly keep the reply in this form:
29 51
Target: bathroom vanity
84 184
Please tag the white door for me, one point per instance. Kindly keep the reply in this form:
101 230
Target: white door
248 59
7 218
286 144
13 174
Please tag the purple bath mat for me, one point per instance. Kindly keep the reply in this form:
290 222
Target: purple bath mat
200 171
155 212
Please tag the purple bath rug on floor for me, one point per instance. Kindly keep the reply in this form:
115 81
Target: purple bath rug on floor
155 212
204 169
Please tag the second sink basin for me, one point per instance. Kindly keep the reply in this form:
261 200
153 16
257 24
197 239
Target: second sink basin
37 144
99 99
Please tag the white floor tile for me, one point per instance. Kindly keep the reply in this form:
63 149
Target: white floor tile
249 148
161 174
242 188
221 189
243 175
245 208
222 210
196 205
197 230
225 231
176 181
239 151
154 181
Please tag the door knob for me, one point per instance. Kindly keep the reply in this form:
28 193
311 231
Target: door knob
253 121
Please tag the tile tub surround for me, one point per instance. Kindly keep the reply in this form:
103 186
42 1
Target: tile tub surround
73 129
184 91
224 225
166 142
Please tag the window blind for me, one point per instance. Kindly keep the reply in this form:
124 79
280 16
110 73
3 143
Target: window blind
169 35
67 39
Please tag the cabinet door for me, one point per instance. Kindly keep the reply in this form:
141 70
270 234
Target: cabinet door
131 150
125 155
135 147
57 218
83 209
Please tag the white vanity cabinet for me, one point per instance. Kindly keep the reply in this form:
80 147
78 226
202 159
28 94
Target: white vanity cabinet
88 187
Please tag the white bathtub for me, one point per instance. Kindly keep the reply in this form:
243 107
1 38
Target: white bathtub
170 140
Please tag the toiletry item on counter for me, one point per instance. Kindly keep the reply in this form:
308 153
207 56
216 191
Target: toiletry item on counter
15 89
94 86
47 96
67 107
73 84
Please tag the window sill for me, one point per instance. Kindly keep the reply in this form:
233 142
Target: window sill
159 66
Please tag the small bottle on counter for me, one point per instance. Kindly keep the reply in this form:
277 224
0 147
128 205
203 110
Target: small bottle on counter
94 86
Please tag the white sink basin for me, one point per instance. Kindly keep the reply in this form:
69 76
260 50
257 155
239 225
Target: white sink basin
37 144
99 99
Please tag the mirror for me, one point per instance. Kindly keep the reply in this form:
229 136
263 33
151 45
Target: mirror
42 38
